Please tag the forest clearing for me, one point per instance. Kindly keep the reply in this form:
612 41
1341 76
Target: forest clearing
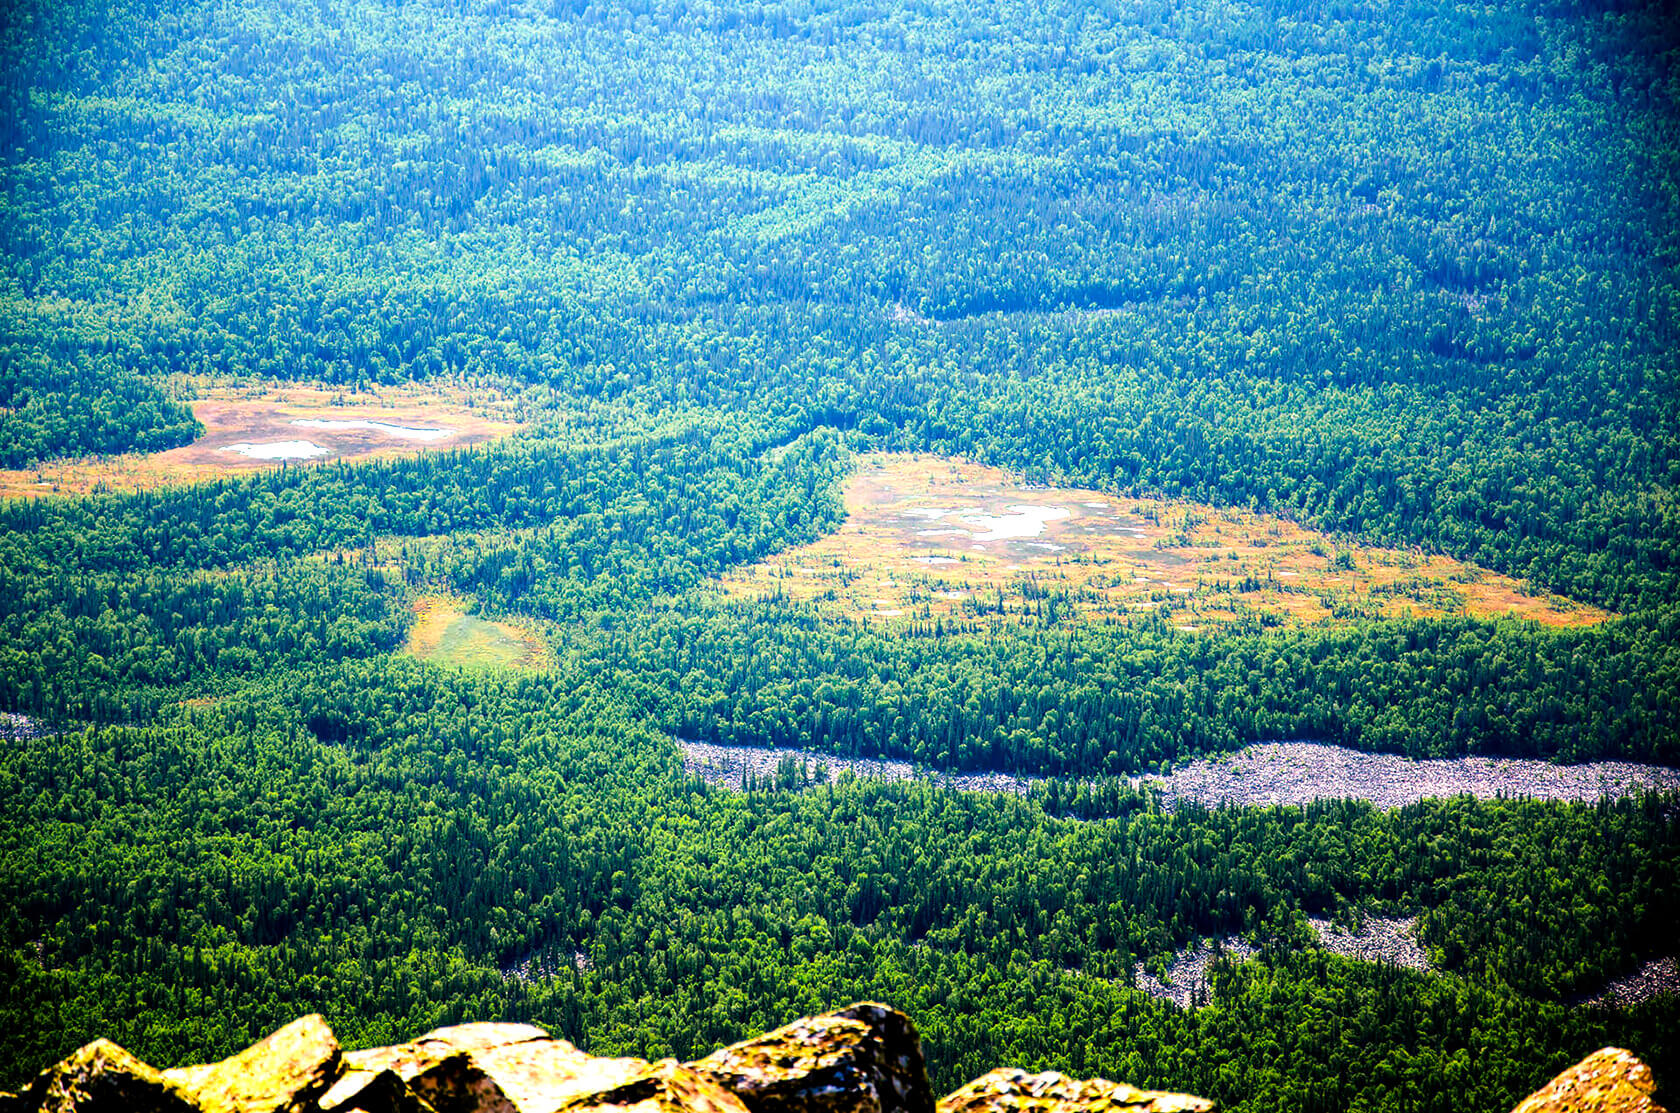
251 428
929 536
444 634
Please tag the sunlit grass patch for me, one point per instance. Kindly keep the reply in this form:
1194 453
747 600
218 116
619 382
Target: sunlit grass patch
930 537
444 634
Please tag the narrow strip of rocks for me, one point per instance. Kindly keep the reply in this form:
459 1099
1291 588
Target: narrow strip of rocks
1655 978
729 767
13 725
1301 772
1270 774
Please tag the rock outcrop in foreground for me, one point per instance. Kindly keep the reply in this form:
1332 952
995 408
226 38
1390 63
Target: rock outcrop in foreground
865 1058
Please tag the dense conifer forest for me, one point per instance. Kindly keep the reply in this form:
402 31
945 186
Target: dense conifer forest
1404 273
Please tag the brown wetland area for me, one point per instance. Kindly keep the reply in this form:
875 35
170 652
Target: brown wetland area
251 428
936 537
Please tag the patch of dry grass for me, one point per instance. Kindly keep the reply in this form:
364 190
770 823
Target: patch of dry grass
445 634
268 412
929 537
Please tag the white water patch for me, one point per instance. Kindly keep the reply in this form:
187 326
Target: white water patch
405 432
942 533
927 513
277 450
1095 505
1021 521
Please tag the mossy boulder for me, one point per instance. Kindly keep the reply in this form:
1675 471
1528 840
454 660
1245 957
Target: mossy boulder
864 1058
1007 1090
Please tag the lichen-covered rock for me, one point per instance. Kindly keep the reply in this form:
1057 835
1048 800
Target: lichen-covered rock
666 1087
1007 1090
282 1073
495 1068
101 1076
1610 1080
864 1058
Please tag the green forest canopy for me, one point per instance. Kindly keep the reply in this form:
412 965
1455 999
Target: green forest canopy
1406 273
